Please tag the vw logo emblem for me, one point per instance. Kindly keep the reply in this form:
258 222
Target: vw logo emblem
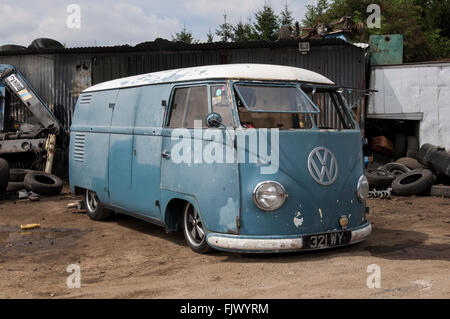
322 166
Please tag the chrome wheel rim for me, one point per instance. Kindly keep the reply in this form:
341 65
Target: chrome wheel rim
91 201
193 226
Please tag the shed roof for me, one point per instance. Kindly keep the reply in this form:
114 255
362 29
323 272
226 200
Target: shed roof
266 72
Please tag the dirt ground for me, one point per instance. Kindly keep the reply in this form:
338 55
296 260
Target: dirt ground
129 258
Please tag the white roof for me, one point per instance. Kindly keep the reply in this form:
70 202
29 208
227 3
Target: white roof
225 71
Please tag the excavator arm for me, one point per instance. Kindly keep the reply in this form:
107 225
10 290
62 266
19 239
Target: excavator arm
18 85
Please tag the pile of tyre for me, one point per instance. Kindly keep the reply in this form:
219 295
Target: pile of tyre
14 180
428 173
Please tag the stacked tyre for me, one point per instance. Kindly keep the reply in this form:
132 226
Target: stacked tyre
438 160
415 176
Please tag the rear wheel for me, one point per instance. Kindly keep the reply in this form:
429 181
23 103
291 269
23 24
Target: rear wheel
94 209
194 231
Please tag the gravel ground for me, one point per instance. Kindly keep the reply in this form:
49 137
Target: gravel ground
129 258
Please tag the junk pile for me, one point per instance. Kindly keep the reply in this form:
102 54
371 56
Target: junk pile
28 183
424 171
337 29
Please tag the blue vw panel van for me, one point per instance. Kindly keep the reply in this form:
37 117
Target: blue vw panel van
242 157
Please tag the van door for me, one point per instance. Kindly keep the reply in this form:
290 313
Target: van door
121 147
211 181
146 164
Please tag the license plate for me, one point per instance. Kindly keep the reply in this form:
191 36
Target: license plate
321 241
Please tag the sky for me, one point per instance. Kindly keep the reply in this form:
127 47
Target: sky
108 22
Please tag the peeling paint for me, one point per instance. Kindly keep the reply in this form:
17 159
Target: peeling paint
226 215
298 219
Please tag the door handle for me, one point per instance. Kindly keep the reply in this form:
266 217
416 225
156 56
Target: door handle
166 154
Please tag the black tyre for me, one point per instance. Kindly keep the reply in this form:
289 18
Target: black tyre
15 186
12 48
17 175
379 178
44 43
43 184
4 175
439 160
412 146
423 155
94 209
194 231
411 163
399 145
416 182
440 191
396 169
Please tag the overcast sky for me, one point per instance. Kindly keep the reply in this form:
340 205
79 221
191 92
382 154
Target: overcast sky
108 22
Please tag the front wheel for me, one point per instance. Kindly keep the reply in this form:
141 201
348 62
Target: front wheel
94 209
194 231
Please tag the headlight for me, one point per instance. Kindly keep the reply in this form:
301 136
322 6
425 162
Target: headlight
362 189
269 196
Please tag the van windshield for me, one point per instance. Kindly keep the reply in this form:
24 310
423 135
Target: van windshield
272 98
290 107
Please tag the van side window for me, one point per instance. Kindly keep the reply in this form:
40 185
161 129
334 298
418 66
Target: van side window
221 104
188 104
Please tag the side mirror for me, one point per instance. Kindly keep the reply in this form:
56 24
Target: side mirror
214 120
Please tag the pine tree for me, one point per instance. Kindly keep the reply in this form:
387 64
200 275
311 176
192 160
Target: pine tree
266 25
243 31
286 16
225 30
184 36
313 13
210 36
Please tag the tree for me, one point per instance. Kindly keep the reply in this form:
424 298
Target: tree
184 36
434 23
314 13
286 16
243 31
423 24
266 25
210 36
225 30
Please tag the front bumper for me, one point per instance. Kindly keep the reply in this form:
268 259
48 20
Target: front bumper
238 243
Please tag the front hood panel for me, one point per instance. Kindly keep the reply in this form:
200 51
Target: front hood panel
310 207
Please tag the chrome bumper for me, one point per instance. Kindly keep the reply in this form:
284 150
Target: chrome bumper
252 244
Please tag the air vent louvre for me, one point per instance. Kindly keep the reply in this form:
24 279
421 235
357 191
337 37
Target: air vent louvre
79 147
85 98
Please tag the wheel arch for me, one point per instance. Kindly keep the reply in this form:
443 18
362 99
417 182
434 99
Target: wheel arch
174 209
